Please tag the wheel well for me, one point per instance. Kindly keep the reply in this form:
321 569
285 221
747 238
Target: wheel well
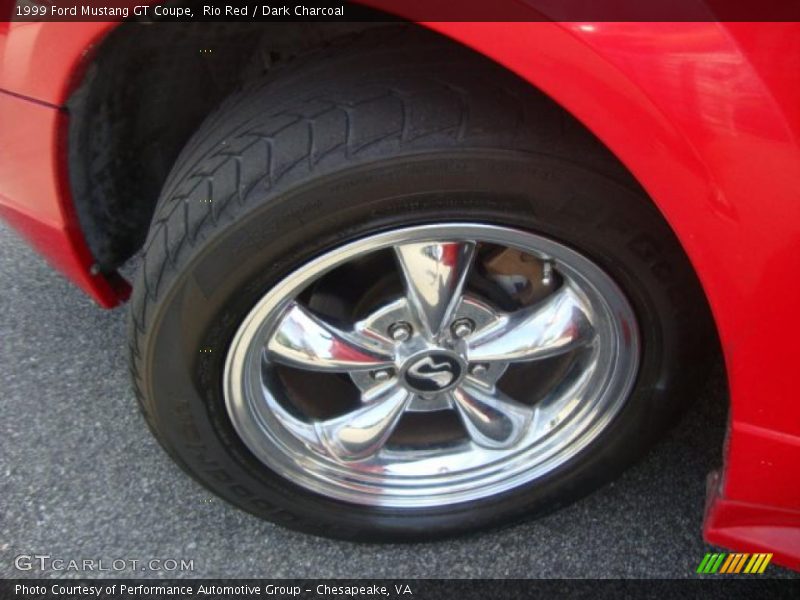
147 88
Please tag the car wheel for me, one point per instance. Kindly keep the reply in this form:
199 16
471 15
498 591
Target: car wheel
394 293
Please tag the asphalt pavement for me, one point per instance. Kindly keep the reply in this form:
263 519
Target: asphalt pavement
81 477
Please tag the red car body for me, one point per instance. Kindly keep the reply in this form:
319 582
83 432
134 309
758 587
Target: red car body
706 116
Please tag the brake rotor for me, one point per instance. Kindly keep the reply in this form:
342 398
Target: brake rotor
524 277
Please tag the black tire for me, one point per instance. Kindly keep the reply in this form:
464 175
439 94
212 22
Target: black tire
374 135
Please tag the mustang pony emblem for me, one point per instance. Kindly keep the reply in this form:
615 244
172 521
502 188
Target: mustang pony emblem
433 373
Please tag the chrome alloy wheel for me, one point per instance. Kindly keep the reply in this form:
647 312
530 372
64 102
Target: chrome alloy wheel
439 346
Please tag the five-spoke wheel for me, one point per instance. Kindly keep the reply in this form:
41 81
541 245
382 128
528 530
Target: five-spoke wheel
440 343
393 292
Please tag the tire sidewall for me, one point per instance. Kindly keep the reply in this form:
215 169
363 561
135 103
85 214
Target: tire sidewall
231 266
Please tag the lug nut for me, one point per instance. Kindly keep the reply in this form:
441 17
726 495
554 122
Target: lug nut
462 327
400 331
381 376
478 370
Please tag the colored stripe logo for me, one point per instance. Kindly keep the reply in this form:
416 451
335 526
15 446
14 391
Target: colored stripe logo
723 563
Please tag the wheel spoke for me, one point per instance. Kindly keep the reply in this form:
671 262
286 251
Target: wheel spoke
492 419
304 340
434 274
361 433
556 325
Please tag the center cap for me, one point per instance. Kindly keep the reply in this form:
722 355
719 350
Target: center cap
433 372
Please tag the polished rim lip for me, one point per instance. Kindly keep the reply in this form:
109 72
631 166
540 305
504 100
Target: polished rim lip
343 484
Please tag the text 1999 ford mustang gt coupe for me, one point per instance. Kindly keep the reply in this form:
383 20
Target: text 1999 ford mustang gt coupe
403 280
